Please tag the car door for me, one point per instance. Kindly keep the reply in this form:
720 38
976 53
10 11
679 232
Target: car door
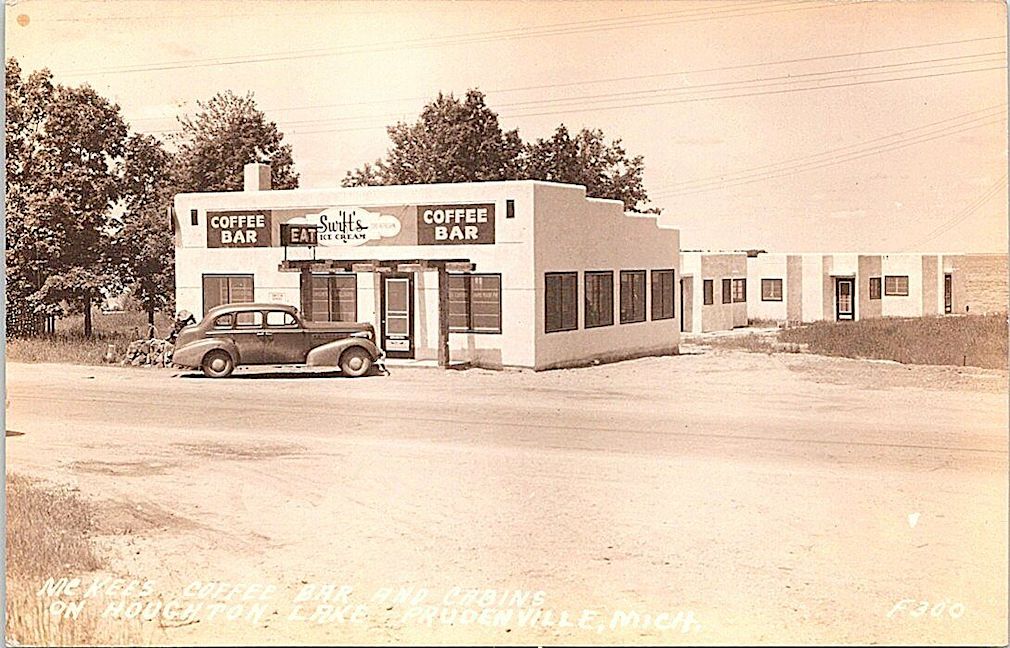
248 337
284 339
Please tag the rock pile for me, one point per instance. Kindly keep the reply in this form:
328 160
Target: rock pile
153 353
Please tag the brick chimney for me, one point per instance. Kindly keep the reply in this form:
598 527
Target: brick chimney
257 177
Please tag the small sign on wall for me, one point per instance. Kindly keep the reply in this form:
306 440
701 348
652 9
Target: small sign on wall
299 235
238 229
455 224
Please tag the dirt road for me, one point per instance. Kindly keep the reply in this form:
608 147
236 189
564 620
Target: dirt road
780 499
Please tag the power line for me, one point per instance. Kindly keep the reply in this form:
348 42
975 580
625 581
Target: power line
632 77
557 29
839 160
704 180
768 82
577 109
790 78
964 214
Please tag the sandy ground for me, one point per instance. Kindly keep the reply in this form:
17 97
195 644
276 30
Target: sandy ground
784 499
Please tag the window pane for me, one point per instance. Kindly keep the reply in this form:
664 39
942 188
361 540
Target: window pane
570 312
708 287
552 303
241 289
249 319
459 313
599 299
280 319
662 294
223 321
632 296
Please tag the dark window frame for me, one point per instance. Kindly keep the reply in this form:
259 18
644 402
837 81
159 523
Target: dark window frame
226 275
875 288
561 276
742 282
895 293
771 282
468 287
633 318
329 299
708 292
672 295
727 291
609 274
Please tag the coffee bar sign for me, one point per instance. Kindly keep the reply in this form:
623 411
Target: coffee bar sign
455 224
238 229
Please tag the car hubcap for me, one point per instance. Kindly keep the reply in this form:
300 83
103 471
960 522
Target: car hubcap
356 363
218 364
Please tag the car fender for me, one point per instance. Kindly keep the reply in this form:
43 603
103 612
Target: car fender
328 355
191 355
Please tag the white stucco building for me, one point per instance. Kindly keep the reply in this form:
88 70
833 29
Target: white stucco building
506 274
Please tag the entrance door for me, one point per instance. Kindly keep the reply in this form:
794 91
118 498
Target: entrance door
686 304
948 293
845 290
398 316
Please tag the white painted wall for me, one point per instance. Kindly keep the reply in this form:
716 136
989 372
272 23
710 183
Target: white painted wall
813 288
902 264
577 234
766 266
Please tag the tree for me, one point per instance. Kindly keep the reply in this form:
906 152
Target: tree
145 248
453 141
82 148
604 169
228 133
461 141
26 242
68 145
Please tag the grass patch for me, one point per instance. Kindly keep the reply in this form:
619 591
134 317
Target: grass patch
49 533
68 344
975 340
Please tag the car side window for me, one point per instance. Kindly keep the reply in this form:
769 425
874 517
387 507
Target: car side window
224 321
281 319
249 319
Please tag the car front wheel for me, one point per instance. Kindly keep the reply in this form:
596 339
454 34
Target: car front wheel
355 362
218 364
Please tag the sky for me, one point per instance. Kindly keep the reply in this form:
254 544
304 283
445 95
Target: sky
783 125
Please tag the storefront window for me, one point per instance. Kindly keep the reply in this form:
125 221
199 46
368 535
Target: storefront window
475 303
662 294
599 299
632 296
226 289
334 298
561 298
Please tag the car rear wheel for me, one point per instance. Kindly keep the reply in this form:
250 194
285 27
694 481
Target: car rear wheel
218 364
355 362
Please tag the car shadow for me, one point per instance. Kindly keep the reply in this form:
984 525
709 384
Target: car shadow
280 375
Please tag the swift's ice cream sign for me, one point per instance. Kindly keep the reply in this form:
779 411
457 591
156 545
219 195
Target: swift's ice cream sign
455 224
238 229
351 226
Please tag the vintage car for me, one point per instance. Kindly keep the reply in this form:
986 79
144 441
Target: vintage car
274 334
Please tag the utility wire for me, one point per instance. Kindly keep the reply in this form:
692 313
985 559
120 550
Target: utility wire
748 172
964 214
577 109
628 78
832 162
558 29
